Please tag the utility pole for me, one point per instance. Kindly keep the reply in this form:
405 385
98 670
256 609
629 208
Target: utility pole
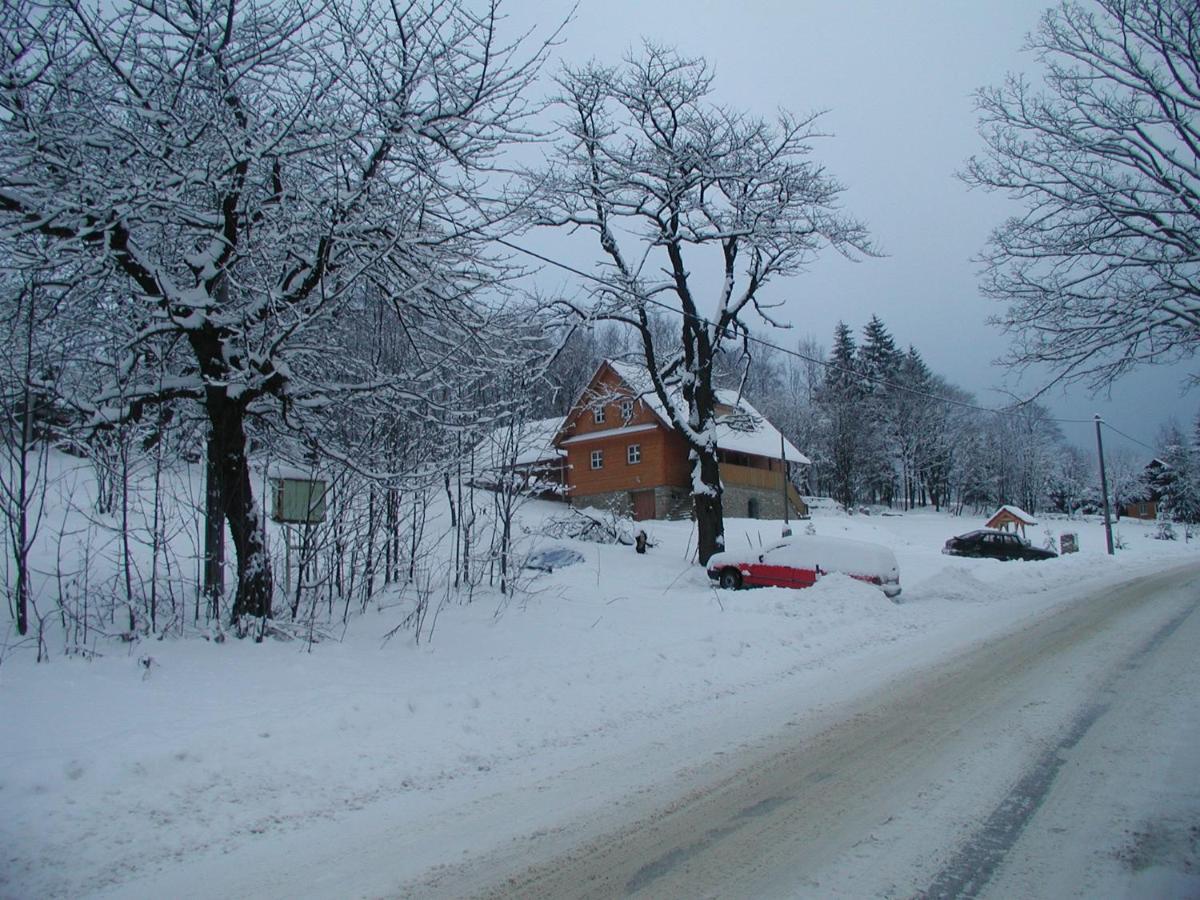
783 468
1104 489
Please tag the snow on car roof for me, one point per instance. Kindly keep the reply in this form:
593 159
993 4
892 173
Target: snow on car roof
839 555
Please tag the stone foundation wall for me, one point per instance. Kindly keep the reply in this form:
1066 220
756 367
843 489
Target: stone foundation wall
736 502
676 502
618 502
669 502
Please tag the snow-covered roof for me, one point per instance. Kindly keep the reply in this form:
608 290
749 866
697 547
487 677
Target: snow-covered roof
278 471
751 433
1016 512
522 445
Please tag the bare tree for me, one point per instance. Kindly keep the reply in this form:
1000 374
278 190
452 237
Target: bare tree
1102 270
1125 478
249 170
660 174
27 308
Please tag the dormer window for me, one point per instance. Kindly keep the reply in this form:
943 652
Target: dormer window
598 413
626 410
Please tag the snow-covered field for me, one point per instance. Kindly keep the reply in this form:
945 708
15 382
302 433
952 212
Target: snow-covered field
347 768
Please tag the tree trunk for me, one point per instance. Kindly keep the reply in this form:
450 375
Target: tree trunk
254 587
214 531
21 543
706 502
25 482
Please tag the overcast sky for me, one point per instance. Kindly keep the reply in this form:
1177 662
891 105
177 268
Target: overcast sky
897 80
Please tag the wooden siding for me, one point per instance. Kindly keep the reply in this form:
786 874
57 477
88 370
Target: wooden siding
749 460
664 454
677 467
664 461
751 476
618 474
606 385
1143 509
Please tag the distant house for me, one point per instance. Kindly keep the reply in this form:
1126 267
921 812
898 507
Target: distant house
624 454
1146 505
524 451
1011 517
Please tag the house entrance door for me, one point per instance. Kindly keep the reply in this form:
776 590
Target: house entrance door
643 504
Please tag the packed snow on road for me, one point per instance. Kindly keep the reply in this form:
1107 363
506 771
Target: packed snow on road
522 726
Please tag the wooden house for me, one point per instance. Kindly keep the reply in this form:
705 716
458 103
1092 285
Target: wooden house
1146 504
624 454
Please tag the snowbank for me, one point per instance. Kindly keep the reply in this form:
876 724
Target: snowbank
157 766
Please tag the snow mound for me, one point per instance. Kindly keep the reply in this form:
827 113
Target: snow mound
954 583
844 592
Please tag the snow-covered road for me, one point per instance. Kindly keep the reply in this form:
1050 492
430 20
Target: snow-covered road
1055 751
623 726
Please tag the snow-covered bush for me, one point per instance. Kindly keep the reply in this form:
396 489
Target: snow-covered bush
1049 542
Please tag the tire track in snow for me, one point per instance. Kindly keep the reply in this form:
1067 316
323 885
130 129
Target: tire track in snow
969 871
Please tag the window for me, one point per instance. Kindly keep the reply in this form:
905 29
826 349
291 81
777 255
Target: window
633 454
598 413
626 410
597 459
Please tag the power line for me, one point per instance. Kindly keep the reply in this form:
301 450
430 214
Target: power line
786 350
1154 450
825 364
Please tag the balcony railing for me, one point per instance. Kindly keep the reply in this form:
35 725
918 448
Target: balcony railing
750 477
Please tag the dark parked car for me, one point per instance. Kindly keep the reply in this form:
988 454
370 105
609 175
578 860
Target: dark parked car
994 545
801 561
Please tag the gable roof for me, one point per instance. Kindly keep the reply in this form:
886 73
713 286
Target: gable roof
1016 512
525 444
752 433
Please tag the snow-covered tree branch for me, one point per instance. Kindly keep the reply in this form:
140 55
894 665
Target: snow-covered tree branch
1102 269
246 171
668 180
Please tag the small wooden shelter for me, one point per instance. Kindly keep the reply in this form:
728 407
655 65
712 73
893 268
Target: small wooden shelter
1013 516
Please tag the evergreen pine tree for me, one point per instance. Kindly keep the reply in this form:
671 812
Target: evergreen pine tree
1176 480
840 400
912 425
879 361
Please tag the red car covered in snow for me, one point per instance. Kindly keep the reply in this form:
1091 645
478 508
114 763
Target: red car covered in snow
800 561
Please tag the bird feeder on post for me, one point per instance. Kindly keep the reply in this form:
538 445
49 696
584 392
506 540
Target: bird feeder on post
297 498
